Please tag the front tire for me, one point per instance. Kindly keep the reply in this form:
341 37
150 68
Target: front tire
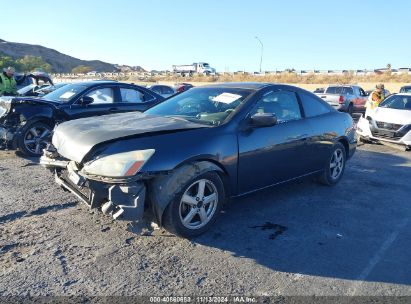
34 138
335 166
195 208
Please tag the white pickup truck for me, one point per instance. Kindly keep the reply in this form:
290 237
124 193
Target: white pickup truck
345 98
190 69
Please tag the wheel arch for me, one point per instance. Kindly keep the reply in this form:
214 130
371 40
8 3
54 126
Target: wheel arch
163 189
44 119
20 131
18 140
344 142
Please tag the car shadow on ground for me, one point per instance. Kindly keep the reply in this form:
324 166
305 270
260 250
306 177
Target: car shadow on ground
357 230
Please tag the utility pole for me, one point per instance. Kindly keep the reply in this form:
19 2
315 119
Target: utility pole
262 49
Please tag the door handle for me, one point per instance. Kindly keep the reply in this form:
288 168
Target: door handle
113 109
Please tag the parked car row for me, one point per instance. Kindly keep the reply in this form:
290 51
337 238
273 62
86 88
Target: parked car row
26 122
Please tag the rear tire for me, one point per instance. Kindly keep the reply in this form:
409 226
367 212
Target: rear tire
350 109
335 166
34 138
195 208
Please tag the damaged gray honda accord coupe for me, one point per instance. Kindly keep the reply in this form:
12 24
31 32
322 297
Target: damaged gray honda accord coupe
184 158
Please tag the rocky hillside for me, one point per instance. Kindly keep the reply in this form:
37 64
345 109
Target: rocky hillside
60 63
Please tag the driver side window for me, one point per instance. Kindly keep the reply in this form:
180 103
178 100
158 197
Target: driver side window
283 104
102 95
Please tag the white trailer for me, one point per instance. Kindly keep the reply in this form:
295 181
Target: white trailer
190 69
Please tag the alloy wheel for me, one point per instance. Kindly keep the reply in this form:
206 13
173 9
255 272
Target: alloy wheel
198 204
36 139
337 164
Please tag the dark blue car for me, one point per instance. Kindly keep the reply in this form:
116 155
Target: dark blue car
26 122
185 157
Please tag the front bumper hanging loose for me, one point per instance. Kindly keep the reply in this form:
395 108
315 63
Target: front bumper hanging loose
121 201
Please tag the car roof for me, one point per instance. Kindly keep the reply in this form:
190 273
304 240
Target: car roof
99 82
158 85
403 94
343 85
241 85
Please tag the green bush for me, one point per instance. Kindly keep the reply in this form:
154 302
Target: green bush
25 64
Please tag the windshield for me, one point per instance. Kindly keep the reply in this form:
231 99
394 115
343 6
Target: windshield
65 93
203 105
206 65
405 90
397 102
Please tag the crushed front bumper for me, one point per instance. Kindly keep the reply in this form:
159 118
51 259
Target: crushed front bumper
6 135
122 201
368 129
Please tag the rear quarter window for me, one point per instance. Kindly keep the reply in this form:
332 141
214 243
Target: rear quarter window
313 105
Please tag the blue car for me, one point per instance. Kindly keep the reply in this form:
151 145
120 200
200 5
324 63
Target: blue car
184 158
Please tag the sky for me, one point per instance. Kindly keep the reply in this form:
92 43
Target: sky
156 34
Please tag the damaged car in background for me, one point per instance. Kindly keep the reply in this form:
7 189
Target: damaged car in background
30 84
26 122
390 122
182 159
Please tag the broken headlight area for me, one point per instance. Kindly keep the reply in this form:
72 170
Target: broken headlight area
121 201
109 183
7 136
120 165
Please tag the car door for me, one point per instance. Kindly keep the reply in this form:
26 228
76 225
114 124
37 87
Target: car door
270 155
135 99
104 99
318 115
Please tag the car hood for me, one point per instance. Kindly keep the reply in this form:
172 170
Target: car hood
74 139
395 116
7 101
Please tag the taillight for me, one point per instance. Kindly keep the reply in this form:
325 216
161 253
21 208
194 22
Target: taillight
341 99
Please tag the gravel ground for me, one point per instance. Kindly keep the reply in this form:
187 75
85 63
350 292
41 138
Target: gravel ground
296 239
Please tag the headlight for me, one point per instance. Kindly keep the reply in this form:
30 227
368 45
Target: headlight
5 106
118 165
3 111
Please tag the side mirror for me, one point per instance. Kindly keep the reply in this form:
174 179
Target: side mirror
86 100
261 120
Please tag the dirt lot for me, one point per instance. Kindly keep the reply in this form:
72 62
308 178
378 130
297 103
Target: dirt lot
297 239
